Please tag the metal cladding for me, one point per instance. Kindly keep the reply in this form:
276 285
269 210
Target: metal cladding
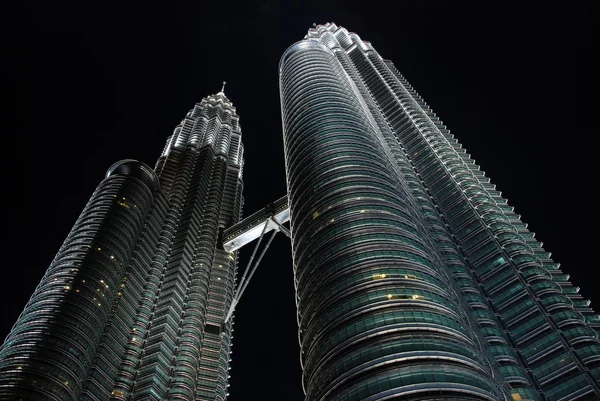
413 276
132 306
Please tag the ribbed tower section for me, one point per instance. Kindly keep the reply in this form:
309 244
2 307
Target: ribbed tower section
132 306
414 277
379 313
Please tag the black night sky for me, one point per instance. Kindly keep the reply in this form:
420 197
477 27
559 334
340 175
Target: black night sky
100 83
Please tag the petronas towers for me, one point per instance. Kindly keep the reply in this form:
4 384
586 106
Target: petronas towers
414 278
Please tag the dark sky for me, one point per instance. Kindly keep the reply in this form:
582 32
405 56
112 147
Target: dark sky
102 83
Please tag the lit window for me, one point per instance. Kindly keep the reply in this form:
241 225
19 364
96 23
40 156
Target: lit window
516 397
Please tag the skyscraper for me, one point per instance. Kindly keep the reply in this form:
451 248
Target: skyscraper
132 306
414 277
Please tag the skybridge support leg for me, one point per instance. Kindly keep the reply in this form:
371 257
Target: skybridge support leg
252 268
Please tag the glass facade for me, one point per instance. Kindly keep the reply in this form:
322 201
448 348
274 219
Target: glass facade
414 277
132 306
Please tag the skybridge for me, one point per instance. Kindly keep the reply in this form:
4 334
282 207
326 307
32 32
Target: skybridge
270 219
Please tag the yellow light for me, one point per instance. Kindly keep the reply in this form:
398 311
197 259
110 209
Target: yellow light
67 287
383 276
389 296
99 249
112 257
516 397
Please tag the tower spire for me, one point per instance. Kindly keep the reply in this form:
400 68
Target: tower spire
223 87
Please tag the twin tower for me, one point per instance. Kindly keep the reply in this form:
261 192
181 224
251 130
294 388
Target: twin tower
415 280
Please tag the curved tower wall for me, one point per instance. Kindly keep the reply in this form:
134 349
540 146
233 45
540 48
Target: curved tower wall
50 349
538 334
